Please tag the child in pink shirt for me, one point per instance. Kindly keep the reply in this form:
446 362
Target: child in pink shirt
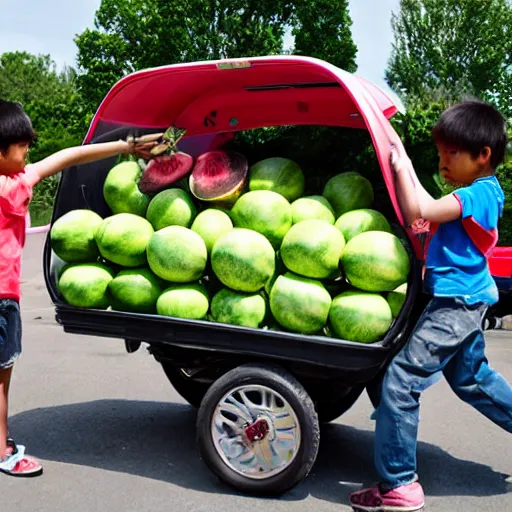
16 182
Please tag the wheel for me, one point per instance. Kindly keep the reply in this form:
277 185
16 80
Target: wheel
329 410
257 430
192 391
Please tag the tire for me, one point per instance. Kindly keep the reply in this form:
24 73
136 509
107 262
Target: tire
331 410
189 389
291 405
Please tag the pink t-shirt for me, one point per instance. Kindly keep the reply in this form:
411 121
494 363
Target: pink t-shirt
15 196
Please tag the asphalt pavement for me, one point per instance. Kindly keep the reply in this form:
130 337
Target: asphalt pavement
114 435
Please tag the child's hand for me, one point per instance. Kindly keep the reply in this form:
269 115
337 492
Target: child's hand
141 146
400 163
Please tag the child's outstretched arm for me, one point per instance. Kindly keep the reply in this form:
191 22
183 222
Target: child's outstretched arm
415 201
84 154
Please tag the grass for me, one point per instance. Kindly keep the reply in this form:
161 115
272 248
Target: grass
40 217
43 198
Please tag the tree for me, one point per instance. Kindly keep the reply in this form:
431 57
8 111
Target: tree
51 101
135 34
445 50
49 97
322 29
451 45
129 35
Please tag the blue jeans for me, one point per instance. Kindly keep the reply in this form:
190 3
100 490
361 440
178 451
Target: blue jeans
10 333
449 339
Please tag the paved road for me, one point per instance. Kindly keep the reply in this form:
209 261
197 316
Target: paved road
113 435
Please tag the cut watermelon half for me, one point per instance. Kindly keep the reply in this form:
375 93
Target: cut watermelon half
219 176
163 171
167 165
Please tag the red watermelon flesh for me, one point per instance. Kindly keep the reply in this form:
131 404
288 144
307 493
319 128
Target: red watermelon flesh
218 175
165 170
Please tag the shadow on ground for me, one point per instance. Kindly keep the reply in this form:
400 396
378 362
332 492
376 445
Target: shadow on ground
157 440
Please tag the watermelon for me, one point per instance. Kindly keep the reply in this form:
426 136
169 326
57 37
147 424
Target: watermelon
360 316
85 285
312 248
243 260
239 308
123 239
135 290
375 261
184 301
121 191
358 221
396 299
312 207
300 304
348 191
279 175
279 269
210 225
266 212
177 254
173 207
72 236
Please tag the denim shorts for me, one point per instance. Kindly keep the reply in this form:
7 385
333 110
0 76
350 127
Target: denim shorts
10 332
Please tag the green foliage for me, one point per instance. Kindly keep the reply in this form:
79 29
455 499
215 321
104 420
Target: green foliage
51 101
504 174
414 128
130 35
462 46
445 50
322 30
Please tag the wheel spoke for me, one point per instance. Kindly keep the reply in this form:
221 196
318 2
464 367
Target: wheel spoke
237 411
263 452
221 422
284 421
234 448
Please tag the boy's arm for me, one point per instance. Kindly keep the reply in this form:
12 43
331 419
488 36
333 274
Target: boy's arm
407 197
416 202
84 154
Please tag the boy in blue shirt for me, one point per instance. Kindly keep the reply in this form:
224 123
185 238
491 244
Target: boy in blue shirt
471 141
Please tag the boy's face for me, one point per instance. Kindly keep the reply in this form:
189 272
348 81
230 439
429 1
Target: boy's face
459 167
14 159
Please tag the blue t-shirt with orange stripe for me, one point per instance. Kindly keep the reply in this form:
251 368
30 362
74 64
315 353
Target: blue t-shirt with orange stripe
457 254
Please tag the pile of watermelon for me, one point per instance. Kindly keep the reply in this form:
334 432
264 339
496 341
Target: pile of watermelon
265 255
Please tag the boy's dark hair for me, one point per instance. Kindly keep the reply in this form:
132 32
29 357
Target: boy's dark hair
15 125
472 125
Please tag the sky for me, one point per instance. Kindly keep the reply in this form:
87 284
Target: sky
49 27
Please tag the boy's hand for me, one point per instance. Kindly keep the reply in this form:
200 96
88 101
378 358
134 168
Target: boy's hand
141 146
400 163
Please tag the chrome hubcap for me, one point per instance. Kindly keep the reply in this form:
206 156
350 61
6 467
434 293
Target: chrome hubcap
255 431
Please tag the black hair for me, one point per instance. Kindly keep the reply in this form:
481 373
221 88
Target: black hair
471 126
15 125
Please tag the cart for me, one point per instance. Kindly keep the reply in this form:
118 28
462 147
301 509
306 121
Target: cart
261 394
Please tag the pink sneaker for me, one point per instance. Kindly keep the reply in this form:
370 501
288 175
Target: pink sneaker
408 498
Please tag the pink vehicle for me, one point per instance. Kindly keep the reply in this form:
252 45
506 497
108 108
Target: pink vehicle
261 394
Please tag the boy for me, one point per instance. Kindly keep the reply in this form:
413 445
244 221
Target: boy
16 183
471 140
